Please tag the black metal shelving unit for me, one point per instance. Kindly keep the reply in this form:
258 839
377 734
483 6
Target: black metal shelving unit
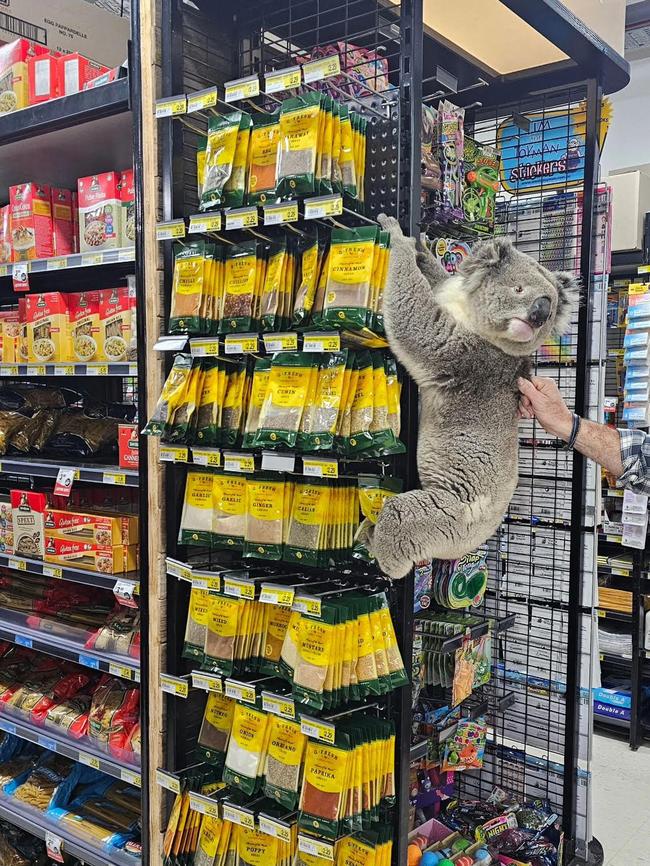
201 49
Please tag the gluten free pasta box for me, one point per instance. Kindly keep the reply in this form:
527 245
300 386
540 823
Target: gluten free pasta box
46 317
99 212
84 554
83 317
117 323
62 221
104 530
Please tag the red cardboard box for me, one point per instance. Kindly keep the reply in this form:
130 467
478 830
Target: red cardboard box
42 78
5 234
31 221
129 445
62 224
75 71
14 84
127 200
28 508
99 211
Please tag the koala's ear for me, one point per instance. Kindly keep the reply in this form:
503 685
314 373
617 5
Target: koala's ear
488 254
568 298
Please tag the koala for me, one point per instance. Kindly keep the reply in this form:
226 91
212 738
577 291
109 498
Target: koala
465 339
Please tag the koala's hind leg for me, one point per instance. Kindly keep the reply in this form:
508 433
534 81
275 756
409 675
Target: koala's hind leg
417 525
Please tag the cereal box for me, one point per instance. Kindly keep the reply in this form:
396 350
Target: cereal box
42 78
84 554
128 446
31 221
62 225
75 222
127 198
47 328
5 234
104 530
27 509
117 324
10 333
83 317
99 212
75 71
14 84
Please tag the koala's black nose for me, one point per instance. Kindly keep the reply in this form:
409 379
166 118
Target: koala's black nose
540 311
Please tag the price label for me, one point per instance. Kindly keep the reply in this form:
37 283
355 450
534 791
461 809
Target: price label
209 222
206 682
202 99
211 583
307 604
171 106
22 640
274 828
316 342
238 816
238 462
201 348
282 79
89 760
242 88
173 453
20 564
621 572
204 805
239 587
276 461
125 591
92 259
276 214
240 691
241 218
169 782
324 67
319 730
178 569
63 483
131 777
127 254
114 478
4 270
9 727
241 344
96 369
316 847
278 705
121 671
272 593
169 230
54 846
20 276
36 370
602 613
317 468
281 342
56 264
9 370
206 457
174 686
64 369
52 571
89 661
323 206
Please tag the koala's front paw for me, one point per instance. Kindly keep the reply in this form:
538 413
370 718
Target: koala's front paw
392 226
384 544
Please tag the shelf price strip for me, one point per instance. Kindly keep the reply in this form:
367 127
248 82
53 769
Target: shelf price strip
282 79
170 230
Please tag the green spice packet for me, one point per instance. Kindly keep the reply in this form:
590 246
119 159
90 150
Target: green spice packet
319 420
273 286
240 285
283 770
285 400
196 626
188 288
219 158
307 250
307 525
263 159
246 749
208 409
299 127
326 784
348 289
316 651
214 735
170 397
235 186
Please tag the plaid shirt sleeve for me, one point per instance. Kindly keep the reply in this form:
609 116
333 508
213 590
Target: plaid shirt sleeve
635 456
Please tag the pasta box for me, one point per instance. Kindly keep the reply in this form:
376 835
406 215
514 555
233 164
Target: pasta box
14 82
75 71
31 221
127 200
83 317
117 323
27 509
5 234
62 223
128 446
94 557
104 530
99 212
46 317
42 78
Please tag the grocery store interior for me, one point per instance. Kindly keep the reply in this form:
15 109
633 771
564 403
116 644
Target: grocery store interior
324 390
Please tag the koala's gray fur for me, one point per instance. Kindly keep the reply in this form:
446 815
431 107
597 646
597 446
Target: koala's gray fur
465 339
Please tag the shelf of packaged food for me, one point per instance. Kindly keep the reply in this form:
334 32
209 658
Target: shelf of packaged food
38 825
77 750
59 647
98 474
65 368
65 572
77 260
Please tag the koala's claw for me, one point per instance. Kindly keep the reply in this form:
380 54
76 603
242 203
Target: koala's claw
391 225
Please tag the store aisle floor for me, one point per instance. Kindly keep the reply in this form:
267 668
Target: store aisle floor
621 793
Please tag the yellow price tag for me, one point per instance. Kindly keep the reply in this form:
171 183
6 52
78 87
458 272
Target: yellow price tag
239 462
20 564
114 478
64 369
52 571
171 106
174 454
242 88
280 595
56 264
238 587
4 270
602 613
131 777
174 686
307 604
241 218
323 206
201 348
282 79
36 370
121 671
241 344
205 223
92 259
321 342
10 369
281 342
206 682
324 67
97 369
238 816
89 760
275 214
273 828
316 468
316 847
318 729
278 705
240 691
168 782
211 583
202 99
170 230
206 457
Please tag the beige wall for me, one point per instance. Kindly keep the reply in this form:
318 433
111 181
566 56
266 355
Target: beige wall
604 17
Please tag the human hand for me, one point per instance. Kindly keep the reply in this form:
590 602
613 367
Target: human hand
541 399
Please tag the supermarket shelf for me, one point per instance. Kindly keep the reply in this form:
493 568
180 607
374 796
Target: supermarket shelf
36 824
55 742
122 368
78 260
59 647
76 575
618 615
98 474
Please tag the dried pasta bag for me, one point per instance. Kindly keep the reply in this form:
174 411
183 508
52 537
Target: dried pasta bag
346 156
264 516
188 287
306 288
325 784
207 421
276 624
50 783
315 654
263 159
229 510
197 624
201 151
282 771
272 289
120 634
197 520
261 374
285 399
224 615
113 712
239 288
320 417
245 756
219 158
34 432
215 729
299 125
349 278
235 187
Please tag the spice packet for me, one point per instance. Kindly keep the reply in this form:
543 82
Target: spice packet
325 785
229 510
283 766
349 277
275 629
240 283
374 490
224 617
310 506
264 516
263 159
273 286
235 187
234 403
207 421
346 156
188 287
285 399
246 749
197 624
219 158
196 519
261 374
182 423
320 416
299 127
170 397
215 729
306 285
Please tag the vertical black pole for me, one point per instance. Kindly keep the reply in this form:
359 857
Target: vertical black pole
592 159
637 649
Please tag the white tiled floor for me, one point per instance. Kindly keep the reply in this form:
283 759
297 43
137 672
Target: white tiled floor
621 800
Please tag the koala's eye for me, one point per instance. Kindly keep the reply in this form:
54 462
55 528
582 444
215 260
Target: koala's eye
518 290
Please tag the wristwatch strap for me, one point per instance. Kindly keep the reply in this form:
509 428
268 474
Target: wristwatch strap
575 429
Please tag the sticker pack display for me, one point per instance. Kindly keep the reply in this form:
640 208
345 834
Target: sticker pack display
460 583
